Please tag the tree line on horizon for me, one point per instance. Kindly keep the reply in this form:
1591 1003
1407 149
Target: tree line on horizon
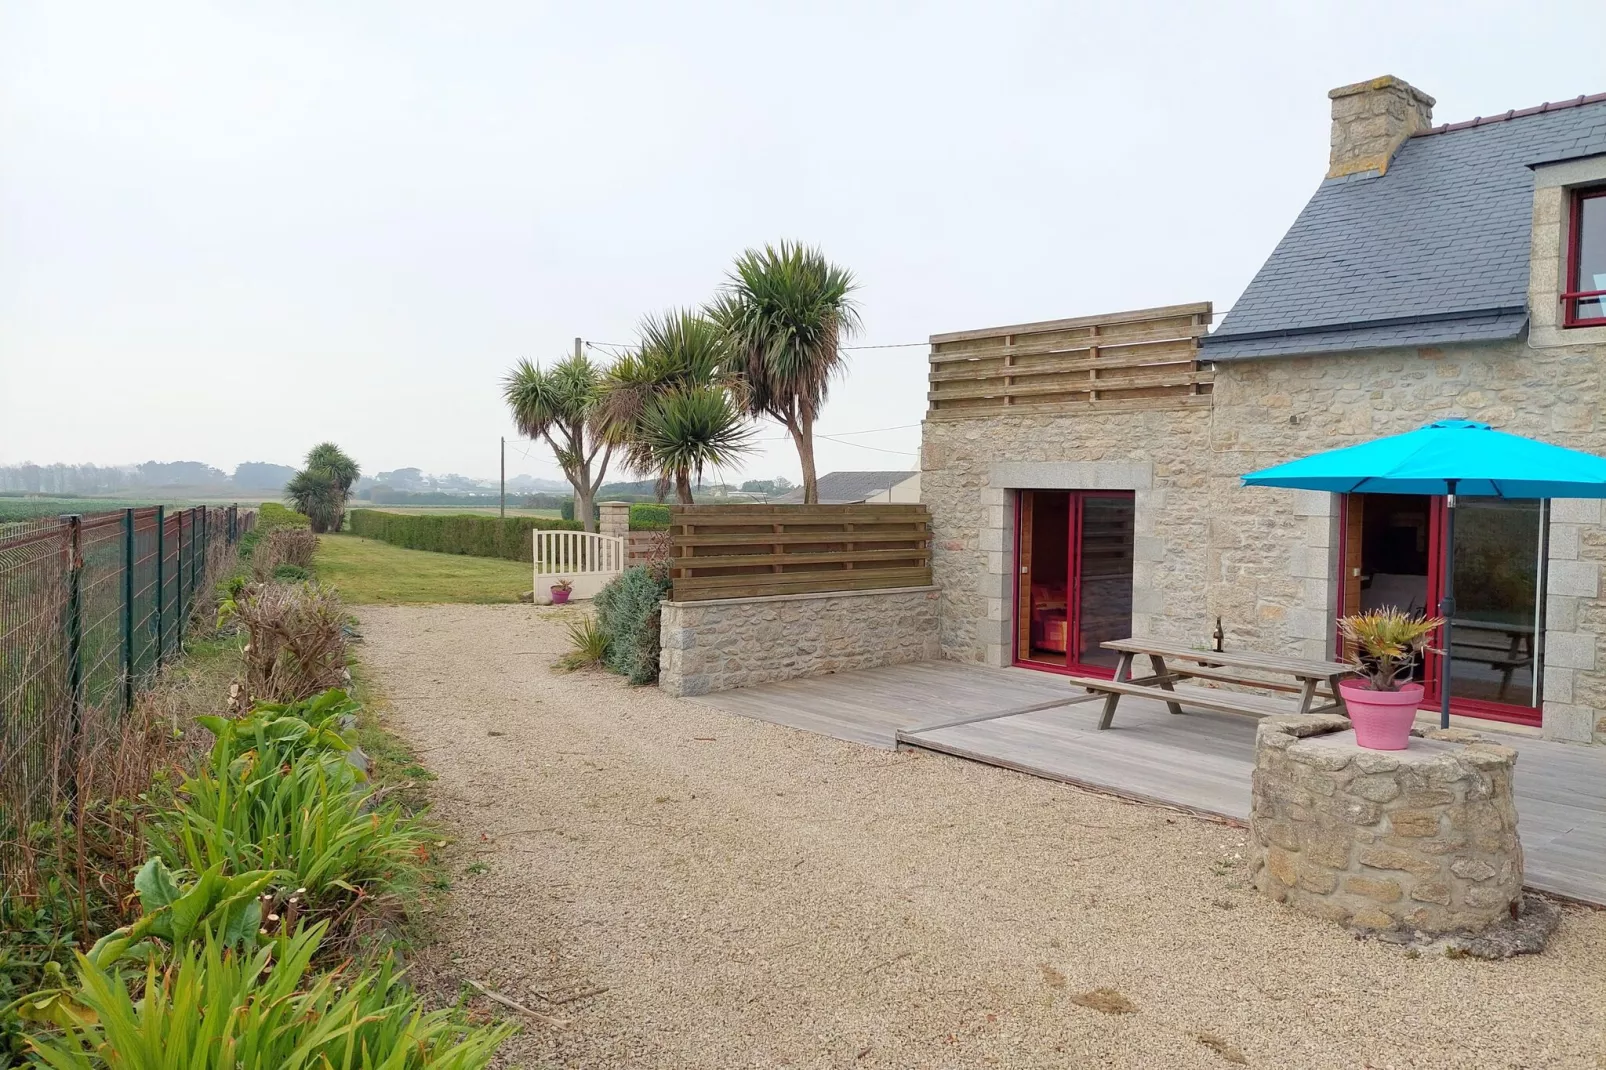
684 400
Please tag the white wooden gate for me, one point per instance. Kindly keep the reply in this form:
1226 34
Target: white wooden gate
584 558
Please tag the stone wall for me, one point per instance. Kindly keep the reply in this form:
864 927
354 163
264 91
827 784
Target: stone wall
1422 839
1264 560
715 646
970 467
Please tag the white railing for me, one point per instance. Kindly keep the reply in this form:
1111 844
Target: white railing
578 553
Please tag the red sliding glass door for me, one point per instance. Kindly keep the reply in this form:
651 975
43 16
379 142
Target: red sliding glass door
1073 557
1393 555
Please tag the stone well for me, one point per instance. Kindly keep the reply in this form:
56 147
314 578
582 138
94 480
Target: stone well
1422 840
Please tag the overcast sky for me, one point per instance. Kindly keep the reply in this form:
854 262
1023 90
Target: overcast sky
229 231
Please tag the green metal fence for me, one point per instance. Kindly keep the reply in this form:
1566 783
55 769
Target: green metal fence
91 607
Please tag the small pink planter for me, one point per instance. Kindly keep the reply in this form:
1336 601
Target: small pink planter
1382 719
560 596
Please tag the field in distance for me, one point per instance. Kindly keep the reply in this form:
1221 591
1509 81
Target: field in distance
22 508
453 510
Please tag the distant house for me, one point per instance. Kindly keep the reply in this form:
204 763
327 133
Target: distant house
1082 475
847 488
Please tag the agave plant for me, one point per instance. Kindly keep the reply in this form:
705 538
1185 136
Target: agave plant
1388 643
785 311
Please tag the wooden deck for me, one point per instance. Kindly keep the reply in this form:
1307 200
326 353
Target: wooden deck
1032 722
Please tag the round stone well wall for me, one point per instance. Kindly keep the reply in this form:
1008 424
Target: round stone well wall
1422 839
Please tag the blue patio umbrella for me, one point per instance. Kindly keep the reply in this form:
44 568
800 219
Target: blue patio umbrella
1445 458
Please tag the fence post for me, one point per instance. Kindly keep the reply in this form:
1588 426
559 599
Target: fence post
128 610
75 642
196 561
161 552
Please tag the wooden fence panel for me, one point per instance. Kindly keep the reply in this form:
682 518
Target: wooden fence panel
1124 360
752 551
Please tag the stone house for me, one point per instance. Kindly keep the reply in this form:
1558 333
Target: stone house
1083 475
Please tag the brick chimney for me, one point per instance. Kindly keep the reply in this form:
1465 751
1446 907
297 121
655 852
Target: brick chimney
1371 120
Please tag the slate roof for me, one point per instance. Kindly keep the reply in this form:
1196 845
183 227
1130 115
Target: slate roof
1434 251
844 488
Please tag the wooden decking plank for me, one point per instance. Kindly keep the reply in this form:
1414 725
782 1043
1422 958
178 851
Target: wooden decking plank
1201 761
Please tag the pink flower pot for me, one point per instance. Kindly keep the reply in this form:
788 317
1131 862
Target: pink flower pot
560 596
1382 719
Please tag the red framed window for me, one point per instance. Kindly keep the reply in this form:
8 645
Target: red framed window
1584 301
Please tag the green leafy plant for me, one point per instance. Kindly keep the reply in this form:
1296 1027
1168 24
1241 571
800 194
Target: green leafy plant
290 574
1388 643
628 613
588 645
215 1008
290 802
476 536
38 936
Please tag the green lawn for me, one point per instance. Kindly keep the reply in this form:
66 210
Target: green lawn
367 571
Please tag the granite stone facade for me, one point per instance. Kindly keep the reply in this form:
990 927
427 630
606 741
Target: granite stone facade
1265 560
715 646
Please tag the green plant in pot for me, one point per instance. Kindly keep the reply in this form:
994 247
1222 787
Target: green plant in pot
1382 703
560 592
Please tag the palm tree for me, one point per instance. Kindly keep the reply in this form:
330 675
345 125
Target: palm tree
322 488
315 493
330 458
560 404
786 310
667 406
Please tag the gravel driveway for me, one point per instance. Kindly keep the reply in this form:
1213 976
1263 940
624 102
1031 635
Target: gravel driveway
752 895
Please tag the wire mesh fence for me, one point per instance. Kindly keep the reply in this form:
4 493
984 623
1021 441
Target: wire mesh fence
91 607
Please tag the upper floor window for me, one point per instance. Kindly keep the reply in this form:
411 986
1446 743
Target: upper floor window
1584 301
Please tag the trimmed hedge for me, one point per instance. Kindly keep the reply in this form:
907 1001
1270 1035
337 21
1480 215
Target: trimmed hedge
649 516
477 536
273 515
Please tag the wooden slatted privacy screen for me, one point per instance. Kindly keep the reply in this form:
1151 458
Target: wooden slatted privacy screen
1125 360
751 551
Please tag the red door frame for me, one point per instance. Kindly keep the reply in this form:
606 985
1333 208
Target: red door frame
1073 586
1433 677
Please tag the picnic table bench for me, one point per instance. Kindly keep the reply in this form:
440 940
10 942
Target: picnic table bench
1308 679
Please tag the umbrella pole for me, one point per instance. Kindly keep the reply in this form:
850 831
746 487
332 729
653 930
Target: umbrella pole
1447 605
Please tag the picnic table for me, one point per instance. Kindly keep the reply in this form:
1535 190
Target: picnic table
1308 679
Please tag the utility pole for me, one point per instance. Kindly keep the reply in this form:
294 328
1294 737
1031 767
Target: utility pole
503 512
579 345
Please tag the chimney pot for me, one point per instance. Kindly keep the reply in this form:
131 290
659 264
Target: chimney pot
1371 120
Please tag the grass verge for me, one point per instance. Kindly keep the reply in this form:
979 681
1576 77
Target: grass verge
368 572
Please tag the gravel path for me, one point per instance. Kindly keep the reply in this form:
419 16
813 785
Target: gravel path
751 895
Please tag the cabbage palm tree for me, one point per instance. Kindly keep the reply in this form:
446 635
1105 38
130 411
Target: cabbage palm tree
786 310
322 488
667 406
560 405
315 493
343 471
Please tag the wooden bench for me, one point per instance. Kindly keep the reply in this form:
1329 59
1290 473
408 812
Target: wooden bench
1271 672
